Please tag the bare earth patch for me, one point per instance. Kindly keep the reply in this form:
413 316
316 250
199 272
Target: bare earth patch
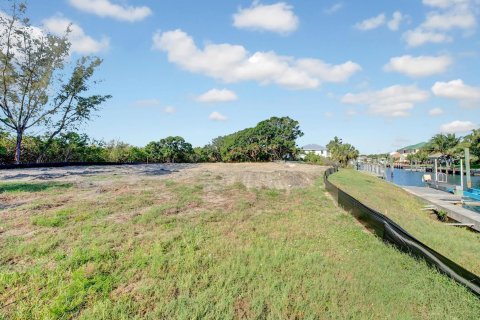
252 175
141 187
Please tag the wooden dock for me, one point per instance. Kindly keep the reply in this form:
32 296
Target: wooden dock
447 202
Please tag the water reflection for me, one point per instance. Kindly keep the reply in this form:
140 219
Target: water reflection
412 178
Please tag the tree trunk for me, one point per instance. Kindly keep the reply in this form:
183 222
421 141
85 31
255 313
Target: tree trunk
18 147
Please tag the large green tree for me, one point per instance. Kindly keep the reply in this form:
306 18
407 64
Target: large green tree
271 139
170 149
35 93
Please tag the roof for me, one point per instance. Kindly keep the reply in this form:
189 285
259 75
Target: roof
436 155
413 146
314 147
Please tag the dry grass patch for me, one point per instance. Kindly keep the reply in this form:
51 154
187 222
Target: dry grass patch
193 245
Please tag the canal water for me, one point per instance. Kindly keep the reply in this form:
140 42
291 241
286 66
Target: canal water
411 178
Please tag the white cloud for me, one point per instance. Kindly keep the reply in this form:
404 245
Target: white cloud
233 63
170 110
328 114
80 42
468 96
146 103
334 8
435 112
462 19
327 72
440 23
278 17
372 23
394 101
35 32
217 116
105 8
217 95
418 37
421 66
444 3
458 126
394 23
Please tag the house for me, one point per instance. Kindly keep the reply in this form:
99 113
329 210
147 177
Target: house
405 151
411 149
317 149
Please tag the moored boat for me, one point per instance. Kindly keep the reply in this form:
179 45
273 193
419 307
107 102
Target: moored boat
472 193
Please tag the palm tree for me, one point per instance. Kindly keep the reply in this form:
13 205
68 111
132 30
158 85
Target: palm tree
444 143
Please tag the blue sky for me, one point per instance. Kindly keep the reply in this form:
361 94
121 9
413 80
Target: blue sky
379 74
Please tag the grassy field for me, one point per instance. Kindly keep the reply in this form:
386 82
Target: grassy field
458 244
113 248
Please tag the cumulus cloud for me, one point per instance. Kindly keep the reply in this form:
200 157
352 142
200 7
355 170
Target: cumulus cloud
105 8
458 126
435 112
278 17
217 95
170 110
80 42
372 23
468 96
421 66
217 116
394 23
58 25
461 19
418 37
438 25
146 103
327 72
233 63
394 101
334 8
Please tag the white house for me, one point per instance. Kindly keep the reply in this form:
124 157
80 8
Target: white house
317 149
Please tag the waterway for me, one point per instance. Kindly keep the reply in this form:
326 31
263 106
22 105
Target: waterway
412 178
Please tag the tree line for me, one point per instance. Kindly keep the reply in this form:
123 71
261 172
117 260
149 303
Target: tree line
44 90
451 148
271 139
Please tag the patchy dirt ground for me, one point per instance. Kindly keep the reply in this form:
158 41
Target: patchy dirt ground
209 241
129 191
252 175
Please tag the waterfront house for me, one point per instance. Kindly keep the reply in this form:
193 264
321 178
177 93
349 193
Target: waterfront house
317 149
405 151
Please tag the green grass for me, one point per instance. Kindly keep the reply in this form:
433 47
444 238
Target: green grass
258 254
458 244
14 187
58 219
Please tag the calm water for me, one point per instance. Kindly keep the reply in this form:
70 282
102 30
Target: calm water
412 178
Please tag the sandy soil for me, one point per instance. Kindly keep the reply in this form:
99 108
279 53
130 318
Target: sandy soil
252 175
